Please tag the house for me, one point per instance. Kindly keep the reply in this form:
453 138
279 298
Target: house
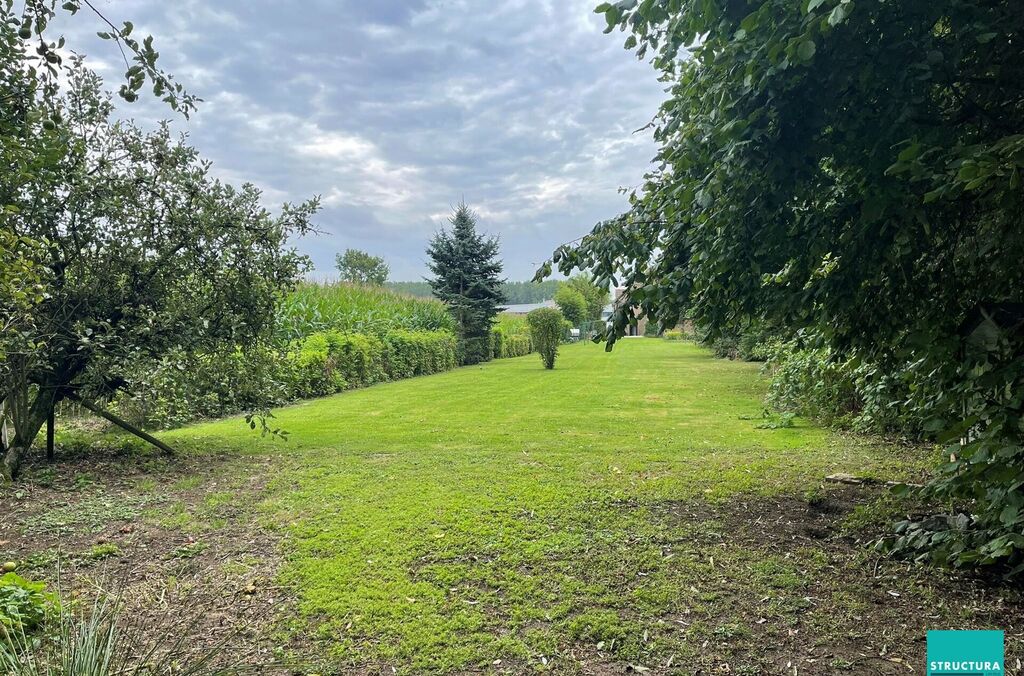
606 314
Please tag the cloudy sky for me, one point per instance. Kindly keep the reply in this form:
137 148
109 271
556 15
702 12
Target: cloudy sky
394 110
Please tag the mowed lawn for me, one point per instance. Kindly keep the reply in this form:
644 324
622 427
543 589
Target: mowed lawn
621 512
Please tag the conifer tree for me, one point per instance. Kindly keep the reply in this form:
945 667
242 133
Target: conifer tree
467 278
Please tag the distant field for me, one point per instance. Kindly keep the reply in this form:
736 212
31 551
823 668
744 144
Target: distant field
348 307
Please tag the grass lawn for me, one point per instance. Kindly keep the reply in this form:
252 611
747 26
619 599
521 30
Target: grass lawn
623 510
623 513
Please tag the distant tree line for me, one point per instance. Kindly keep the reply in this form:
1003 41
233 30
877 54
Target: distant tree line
514 292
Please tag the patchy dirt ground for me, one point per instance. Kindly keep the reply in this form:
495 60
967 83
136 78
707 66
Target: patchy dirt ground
771 585
176 543
826 603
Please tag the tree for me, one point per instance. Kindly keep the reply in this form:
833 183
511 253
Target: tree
572 304
467 277
850 170
547 327
359 267
596 296
530 292
142 253
32 69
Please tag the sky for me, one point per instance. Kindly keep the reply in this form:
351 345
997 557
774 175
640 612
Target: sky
394 111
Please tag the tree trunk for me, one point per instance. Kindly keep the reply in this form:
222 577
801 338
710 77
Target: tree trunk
26 428
49 435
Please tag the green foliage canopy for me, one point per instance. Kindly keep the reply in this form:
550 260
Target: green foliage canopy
852 169
359 267
595 295
572 304
142 252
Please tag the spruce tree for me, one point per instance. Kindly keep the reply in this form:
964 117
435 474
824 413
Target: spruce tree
467 278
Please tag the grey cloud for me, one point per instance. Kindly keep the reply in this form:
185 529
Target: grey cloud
393 111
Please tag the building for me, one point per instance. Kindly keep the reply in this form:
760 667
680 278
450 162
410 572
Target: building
606 314
526 308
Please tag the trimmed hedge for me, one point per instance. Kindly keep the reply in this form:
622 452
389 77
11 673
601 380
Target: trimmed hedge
178 390
418 353
505 344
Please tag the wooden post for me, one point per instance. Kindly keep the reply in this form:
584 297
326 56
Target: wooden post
50 455
123 424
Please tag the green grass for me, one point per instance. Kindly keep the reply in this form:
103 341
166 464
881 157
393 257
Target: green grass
509 517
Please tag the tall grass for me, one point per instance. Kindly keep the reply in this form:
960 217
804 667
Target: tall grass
347 307
96 642
512 325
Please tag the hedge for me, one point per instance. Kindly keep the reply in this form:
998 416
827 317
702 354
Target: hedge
178 390
505 344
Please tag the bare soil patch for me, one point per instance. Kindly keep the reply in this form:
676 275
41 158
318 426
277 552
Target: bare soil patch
852 611
176 543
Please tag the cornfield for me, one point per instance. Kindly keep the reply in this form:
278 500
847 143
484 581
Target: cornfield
512 325
347 307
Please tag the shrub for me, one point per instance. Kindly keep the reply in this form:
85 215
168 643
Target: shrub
843 390
24 605
547 327
672 334
497 340
516 346
414 353
178 390
358 357
754 343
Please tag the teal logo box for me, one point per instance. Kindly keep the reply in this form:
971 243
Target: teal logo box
965 653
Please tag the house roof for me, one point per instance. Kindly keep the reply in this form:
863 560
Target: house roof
523 308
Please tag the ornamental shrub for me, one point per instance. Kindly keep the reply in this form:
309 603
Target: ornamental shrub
547 327
505 345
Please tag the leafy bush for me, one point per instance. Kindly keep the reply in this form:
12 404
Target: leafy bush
24 605
475 349
672 334
180 388
843 390
753 343
516 346
547 327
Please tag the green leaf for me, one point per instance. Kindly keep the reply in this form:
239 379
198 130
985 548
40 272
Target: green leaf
840 13
806 50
